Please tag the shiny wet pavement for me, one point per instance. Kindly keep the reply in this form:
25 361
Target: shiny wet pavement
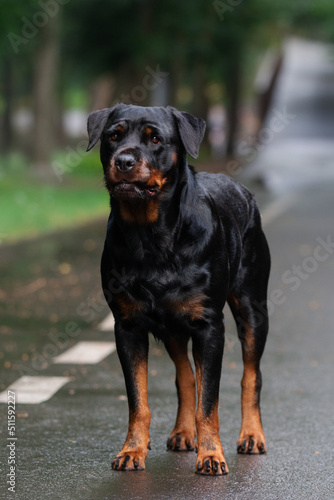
64 445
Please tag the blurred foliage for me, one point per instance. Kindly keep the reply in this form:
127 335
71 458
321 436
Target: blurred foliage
75 98
126 35
68 163
104 36
209 49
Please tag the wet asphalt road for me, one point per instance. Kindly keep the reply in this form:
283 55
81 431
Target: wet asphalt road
65 445
298 146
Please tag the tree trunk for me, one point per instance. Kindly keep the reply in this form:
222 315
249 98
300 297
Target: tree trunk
45 83
233 96
102 92
7 129
200 101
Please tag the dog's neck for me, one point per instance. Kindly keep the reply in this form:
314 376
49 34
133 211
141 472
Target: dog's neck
143 212
157 217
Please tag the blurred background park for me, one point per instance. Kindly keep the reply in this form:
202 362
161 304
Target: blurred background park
61 59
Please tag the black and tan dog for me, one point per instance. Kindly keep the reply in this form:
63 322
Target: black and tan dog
179 245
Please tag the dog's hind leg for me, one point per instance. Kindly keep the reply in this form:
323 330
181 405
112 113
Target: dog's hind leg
248 304
182 437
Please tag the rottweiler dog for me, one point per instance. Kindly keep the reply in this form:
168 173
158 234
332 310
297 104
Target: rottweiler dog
179 245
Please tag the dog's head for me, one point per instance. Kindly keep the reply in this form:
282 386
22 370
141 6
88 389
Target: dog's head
140 147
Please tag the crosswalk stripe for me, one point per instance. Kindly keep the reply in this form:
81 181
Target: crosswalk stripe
34 390
107 324
86 352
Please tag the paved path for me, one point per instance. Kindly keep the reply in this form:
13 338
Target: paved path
298 133
64 444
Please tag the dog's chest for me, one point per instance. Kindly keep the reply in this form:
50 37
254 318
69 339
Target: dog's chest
175 288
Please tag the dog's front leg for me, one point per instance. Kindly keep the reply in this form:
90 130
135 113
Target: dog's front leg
132 349
208 347
182 437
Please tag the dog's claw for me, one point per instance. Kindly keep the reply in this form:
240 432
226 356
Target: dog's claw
254 444
181 440
131 460
211 466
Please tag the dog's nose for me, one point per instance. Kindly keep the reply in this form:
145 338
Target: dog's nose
125 162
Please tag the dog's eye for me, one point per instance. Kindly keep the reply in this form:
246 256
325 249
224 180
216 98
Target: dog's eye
114 137
155 139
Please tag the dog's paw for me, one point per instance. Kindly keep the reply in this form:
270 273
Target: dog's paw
129 460
181 440
252 443
211 464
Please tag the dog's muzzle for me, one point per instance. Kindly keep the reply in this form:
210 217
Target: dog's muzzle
125 162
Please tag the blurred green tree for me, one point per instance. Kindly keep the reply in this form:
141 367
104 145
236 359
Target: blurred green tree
194 42
125 48
29 50
10 25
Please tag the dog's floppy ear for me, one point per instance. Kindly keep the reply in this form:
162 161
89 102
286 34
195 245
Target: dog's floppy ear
95 125
191 131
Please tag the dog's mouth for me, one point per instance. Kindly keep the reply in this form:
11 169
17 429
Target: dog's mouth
128 190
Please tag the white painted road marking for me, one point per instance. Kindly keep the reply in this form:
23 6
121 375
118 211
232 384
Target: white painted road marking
34 390
90 352
107 324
